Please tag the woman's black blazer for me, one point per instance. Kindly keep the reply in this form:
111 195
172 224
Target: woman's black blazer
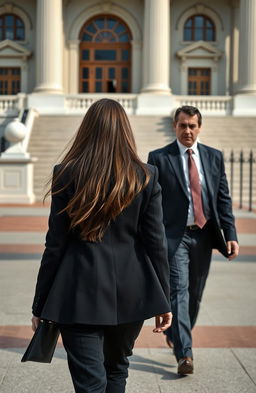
123 278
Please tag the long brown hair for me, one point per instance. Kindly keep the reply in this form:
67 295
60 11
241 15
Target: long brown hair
104 167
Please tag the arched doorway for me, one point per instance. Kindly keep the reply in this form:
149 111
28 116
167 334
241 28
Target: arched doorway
105 56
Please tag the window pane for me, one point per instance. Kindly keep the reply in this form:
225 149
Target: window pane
1 35
19 23
209 35
187 35
20 34
9 33
125 54
85 54
100 23
120 28
1 21
85 87
105 54
9 20
98 73
108 36
111 23
91 28
98 87
199 21
125 87
192 71
86 37
99 37
111 73
198 34
85 73
124 38
188 23
124 73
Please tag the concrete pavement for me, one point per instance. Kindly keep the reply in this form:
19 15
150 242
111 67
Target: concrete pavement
224 338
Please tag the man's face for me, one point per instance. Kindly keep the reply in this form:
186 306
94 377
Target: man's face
187 129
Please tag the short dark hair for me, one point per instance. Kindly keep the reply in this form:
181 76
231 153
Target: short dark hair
189 110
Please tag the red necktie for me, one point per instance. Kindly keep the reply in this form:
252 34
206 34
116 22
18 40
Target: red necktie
196 191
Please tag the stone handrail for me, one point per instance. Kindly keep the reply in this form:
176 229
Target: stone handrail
80 103
208 105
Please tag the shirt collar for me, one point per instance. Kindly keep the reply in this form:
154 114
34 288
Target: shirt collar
183 148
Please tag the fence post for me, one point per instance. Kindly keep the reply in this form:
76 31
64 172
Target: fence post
250 180
241 161
231 172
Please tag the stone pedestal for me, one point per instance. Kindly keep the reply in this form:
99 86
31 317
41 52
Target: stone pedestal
16 180
16 167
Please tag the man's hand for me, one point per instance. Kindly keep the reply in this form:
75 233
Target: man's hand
161 326
232 249
35 322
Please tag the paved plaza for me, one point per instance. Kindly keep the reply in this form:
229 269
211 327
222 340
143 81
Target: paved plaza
224 338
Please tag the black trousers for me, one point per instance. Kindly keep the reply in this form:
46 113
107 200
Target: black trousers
189 269
97 355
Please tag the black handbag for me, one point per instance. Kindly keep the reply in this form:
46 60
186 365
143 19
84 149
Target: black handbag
42 345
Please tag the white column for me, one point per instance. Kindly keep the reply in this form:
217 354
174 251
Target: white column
49 47
73 46
247 47
156 46
136 66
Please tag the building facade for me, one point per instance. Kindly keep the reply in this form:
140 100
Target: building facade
59 55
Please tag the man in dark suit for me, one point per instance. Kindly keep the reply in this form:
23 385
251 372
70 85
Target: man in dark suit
197 213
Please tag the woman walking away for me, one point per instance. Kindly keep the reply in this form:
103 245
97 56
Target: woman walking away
104 269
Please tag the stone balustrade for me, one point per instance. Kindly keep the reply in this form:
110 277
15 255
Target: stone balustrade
208 105
79 103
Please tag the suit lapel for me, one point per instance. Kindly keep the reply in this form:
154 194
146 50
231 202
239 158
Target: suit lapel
176 163
206 163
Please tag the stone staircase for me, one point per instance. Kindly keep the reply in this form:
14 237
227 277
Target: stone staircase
51 134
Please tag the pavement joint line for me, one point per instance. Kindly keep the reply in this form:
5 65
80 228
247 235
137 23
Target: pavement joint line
242 365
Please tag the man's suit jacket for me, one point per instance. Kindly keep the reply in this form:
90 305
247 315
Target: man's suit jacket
124 278
176 200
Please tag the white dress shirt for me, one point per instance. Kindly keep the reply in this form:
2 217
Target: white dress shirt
184 158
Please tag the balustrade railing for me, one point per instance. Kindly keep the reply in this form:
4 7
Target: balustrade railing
80 103
208 105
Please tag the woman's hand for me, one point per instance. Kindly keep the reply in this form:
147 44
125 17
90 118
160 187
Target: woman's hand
161 326
35 322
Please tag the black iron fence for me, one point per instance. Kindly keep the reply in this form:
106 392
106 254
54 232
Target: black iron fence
240 174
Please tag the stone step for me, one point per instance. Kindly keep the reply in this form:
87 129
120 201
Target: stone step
51 135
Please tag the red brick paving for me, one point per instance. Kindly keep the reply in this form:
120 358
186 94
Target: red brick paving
203 337
23 224
21 248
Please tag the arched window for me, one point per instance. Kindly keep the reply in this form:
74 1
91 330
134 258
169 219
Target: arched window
199 27
105 56
11 28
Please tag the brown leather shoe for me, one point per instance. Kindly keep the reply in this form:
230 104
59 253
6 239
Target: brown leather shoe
185 366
